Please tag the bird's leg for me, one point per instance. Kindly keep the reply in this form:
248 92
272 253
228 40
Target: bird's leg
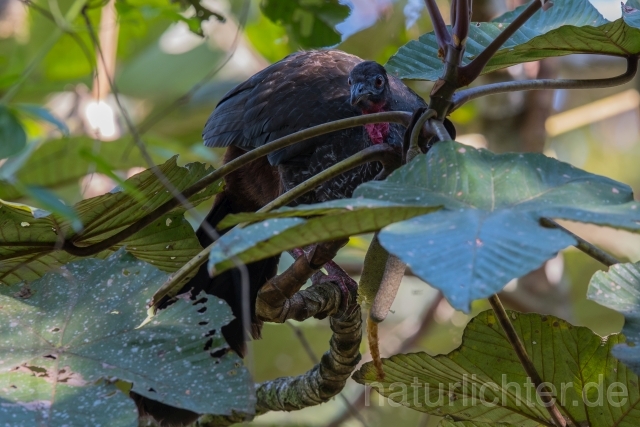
281 299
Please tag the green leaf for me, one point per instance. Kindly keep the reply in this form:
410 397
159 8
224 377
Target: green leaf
490 232
28 397
44 114
82 323
570 26
309 22
13 138
280 232
619 289
483 381
31 237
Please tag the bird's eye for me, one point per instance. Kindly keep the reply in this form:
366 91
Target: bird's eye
379 81
349 81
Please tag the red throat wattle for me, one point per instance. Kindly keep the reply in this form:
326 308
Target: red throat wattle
377 132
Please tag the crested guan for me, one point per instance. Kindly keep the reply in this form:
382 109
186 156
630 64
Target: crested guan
304 89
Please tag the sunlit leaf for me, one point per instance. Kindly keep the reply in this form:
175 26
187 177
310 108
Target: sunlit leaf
82 323
490 231
483 382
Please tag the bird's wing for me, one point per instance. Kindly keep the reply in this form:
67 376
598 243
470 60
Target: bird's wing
303 90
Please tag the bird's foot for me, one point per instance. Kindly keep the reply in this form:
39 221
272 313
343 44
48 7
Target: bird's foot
348 287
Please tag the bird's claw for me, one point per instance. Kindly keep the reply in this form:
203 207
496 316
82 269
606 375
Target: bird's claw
348 286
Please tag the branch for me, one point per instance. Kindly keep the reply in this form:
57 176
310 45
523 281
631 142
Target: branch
586 247
461 9
467 95
406 345
513 338
414 148
441 132
471 71
318 385
439 27
380 152
69 246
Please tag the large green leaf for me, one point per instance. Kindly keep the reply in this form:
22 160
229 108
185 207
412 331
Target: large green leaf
570 26
310 22
82 323
30 236
483 381
619 289
490 231
12 135
280 232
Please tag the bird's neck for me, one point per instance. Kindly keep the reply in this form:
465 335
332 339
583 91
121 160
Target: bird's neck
378 132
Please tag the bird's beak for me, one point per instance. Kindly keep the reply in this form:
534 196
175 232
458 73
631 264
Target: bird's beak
358 93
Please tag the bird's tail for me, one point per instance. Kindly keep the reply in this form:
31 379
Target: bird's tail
228 285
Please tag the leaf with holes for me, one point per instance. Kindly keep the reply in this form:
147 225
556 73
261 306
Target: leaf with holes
32 237
619 289
570 26
82 323
490 231
281 230
482 382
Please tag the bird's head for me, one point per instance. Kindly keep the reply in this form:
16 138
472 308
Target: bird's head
369 86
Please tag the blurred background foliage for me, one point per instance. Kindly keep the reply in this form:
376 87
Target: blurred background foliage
60 127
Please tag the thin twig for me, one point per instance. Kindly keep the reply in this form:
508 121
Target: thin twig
374 153
439 27
52 39
464 96
441 132
461 23
400 117
471 71
74 35
378 152
156 117
586 247
414 148
513 338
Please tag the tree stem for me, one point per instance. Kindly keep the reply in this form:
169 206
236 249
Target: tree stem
527 364
586 247
464 96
